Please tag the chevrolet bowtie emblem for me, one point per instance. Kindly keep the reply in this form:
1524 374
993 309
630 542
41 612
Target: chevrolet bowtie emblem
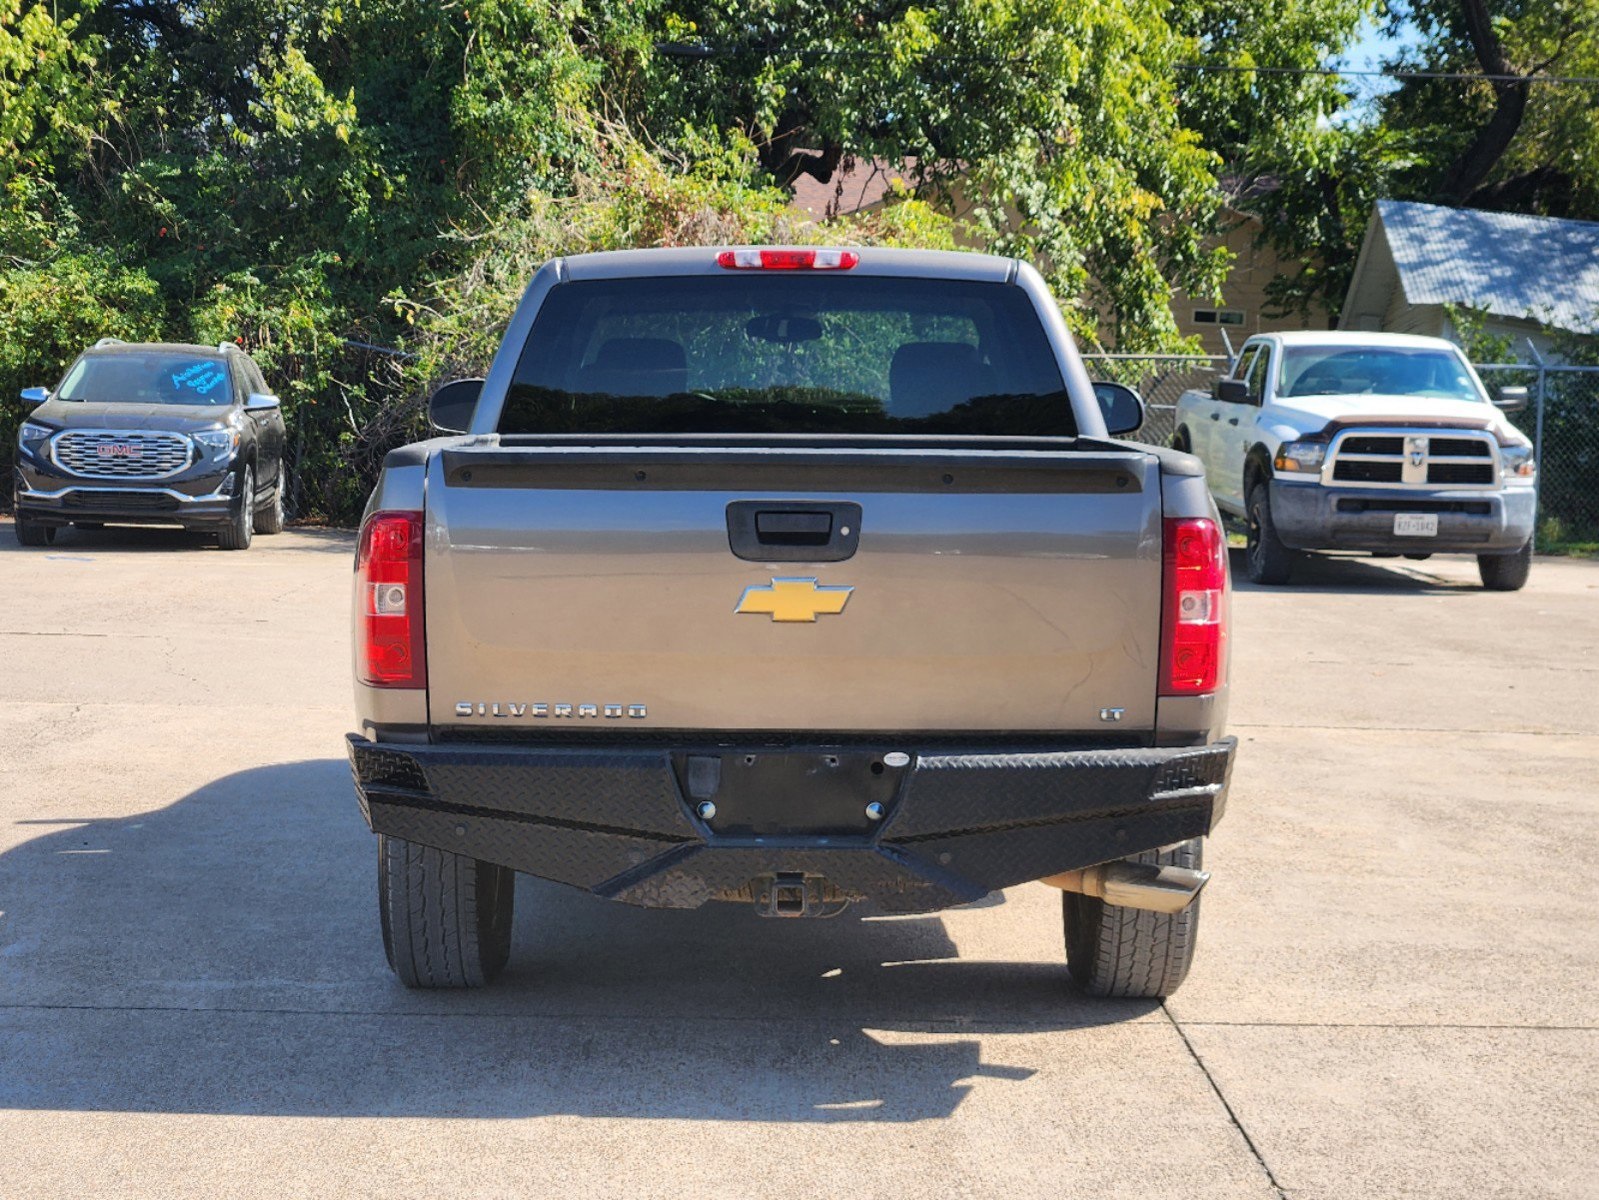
793 600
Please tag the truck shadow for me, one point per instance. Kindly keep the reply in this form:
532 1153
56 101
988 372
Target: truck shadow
221 955
1320 574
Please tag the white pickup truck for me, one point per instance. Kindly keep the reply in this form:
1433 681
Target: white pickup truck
1376 442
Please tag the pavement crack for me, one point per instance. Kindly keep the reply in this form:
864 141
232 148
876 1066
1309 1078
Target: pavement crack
1232 1115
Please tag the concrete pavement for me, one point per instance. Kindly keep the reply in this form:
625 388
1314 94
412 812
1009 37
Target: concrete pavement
1395 994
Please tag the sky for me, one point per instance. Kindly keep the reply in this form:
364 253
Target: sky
1366 53
1370 47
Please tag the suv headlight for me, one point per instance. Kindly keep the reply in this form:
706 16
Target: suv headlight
1515 462
218 443
30 436
1305 457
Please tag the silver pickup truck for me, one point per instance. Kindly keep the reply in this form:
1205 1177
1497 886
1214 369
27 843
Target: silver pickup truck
803 579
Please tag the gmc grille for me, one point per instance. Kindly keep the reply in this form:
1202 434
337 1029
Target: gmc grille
122 454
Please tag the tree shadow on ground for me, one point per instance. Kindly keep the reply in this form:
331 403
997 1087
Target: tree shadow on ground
221 955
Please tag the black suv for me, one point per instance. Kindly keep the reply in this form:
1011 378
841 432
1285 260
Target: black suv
152 433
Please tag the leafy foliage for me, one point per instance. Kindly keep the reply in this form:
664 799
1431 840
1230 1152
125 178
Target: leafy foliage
1051 125
357 192
48 314
1524 142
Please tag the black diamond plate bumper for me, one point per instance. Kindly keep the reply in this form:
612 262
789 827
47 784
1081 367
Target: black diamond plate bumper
625 824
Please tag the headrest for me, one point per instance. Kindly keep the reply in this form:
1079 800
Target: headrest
932 377
641 354
636 367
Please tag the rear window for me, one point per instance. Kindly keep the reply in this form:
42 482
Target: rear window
148 378
755 353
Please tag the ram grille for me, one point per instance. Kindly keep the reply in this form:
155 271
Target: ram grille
1414 458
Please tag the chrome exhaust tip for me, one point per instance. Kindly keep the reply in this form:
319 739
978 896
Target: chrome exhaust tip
1135 885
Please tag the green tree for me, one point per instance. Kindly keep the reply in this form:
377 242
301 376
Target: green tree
1515 141
1055 123
1266 110
47 114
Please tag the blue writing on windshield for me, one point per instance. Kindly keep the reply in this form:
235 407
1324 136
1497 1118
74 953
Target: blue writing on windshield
202 377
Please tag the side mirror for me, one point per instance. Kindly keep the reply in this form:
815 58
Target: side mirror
450 410
38 395
1233 391
260 402
1511 399
1123 407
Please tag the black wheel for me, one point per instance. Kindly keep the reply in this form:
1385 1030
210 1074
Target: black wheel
1179 441
235 535
446 917
1116 951
1266 559
270 519
1505 572
34 533
1418 557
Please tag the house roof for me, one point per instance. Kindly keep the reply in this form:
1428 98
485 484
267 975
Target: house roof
1543 269
857 183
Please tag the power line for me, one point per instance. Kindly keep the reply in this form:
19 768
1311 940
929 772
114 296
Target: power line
701 50
1366 74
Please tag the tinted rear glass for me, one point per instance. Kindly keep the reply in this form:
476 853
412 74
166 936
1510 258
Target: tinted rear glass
766 353
148 378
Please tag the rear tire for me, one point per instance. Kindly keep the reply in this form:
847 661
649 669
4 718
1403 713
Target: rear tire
34 533
446 917
1117 951
235 535
1179 441
1266 559
269 520
1505 572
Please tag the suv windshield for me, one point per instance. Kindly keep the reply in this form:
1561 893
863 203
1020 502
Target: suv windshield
747 353
148 377
1388 371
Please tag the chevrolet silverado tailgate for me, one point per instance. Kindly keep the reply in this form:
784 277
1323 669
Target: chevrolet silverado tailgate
599 586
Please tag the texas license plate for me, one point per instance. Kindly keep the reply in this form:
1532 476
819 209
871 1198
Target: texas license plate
1415 524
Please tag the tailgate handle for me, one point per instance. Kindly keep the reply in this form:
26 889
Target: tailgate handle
794 530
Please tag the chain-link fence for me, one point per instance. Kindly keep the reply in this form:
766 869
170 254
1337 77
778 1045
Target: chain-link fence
1160 379
1561 418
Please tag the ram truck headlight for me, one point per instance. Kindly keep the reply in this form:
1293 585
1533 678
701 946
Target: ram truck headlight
1302 457
1515 462
218 443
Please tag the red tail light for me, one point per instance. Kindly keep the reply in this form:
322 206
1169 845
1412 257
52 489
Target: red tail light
1193 625
388 582
787 260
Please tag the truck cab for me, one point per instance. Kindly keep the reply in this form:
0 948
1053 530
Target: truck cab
1382 443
